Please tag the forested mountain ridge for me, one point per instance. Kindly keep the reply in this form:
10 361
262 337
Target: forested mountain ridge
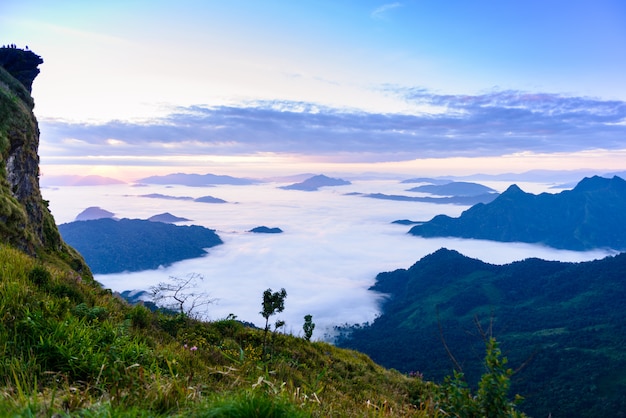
561 323
114 246
592 215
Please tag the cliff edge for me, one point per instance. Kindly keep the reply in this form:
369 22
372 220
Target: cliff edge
25 221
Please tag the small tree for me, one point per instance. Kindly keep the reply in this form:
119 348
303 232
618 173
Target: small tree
491 400
495 383
178 294
308 327
272 303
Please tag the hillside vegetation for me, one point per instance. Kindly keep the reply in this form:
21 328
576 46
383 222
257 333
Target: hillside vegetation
560 323
71 348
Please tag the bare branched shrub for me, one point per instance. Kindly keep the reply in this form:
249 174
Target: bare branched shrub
180 294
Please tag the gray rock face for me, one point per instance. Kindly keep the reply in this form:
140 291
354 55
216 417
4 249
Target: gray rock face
21 64
25 220
20 142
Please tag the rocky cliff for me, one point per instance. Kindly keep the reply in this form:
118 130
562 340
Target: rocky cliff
25 221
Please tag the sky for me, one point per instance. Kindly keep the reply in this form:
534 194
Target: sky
243 87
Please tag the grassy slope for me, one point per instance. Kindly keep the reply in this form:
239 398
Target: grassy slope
70 347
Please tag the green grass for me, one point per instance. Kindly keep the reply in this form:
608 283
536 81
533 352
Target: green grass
72 349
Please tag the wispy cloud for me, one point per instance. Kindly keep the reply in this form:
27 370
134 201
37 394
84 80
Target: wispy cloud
381 12
490 124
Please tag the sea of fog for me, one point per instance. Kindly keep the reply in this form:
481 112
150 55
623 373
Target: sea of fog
333 246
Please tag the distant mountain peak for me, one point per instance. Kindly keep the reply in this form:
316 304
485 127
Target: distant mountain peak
315 182
455 188
114 246
597 182
94 212
167 217
266 230
592 215
443 252
320 177
513 188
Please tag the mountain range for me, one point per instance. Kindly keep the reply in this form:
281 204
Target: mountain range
452 200
454 188
427 180
202 199
195 180
314 183
561 326
592 215
114 246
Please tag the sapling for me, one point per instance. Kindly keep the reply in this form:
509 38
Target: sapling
272 303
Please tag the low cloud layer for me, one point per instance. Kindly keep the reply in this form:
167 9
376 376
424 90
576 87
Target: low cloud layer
332 247
491 124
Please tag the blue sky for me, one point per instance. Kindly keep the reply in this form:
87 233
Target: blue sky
416 87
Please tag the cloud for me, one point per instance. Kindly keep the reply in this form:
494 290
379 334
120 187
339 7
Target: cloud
332 248
381 12
490 124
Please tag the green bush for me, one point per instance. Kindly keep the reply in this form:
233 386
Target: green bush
140 316
83 311
40 276
228 327
491 399
69 291
252 405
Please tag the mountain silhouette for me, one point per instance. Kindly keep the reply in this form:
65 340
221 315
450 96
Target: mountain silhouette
561 325
315 182
114 246
592 215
